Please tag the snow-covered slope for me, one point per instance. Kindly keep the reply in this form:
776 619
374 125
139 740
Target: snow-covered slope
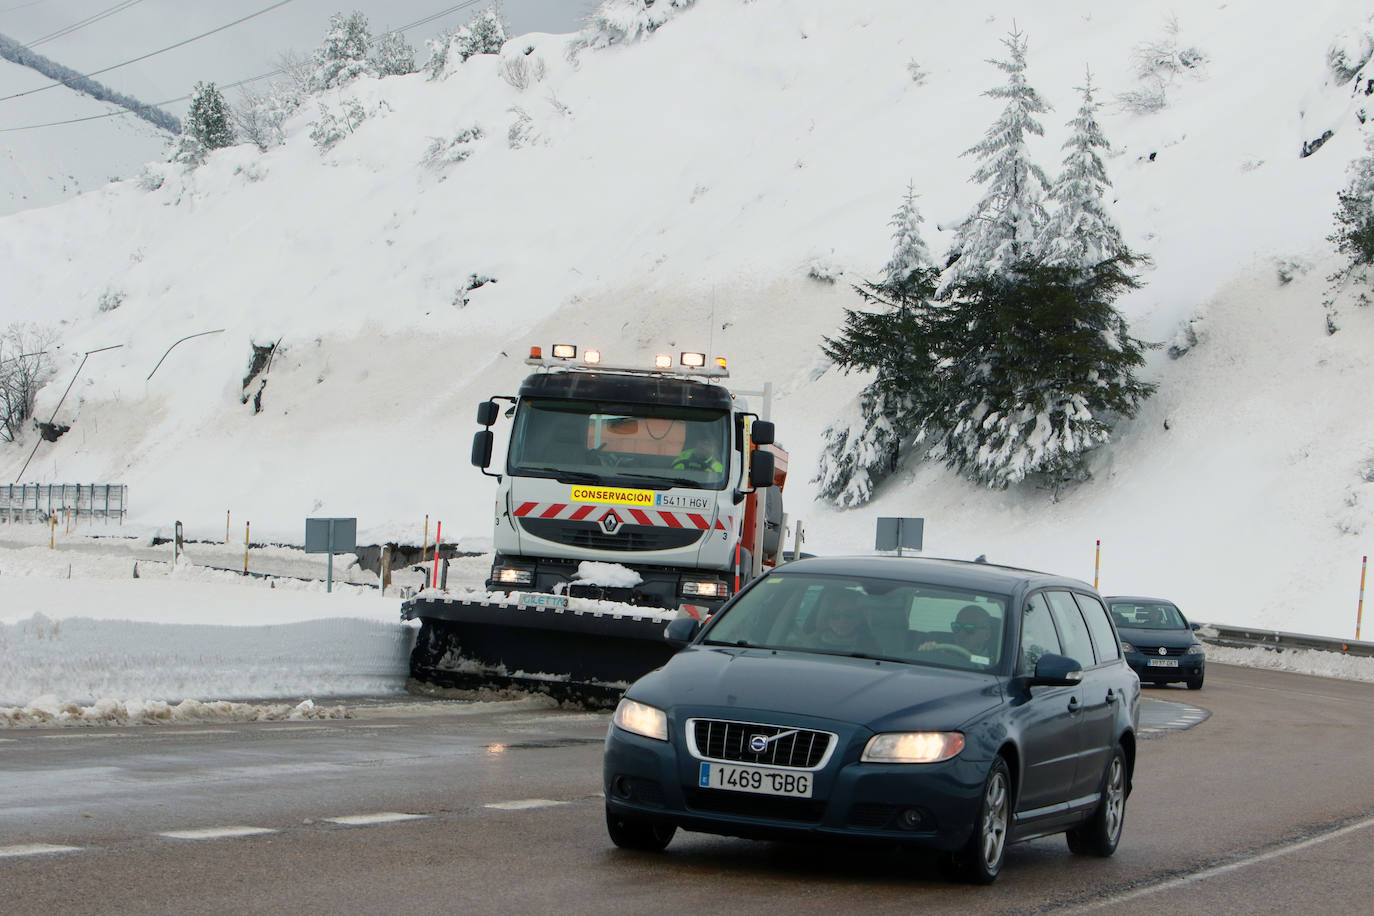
687 191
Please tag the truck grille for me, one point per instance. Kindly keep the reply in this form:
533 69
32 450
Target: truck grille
627 538
792 748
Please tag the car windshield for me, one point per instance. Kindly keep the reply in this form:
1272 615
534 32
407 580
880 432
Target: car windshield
633 444
1147 615
879 618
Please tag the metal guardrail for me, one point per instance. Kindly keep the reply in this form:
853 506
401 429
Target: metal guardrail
1249 638
39 502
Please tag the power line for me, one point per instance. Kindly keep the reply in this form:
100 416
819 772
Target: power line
252 79
78 26
149 54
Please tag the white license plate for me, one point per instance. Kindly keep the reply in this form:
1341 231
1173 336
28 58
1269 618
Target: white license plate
755 779
556 602
1162 662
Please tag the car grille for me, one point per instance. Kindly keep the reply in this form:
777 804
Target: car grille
744 804
1169 651
626 538
792 748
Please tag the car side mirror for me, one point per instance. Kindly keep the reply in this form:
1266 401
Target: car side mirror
1194 626
681 631
1056 671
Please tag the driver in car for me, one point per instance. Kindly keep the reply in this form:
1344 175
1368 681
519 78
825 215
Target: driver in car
973 631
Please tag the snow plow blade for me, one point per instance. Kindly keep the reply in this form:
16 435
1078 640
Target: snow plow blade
586 655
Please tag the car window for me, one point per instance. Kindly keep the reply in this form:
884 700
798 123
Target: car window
1104 639
1038 636
1073 630
1147 615
836 614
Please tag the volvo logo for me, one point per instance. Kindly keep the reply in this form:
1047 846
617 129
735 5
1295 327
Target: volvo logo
759 743
610 522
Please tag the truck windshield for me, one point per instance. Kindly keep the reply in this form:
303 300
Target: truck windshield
633 443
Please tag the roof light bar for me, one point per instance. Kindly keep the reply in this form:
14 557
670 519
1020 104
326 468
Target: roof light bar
663 361
564 351
536 352
693 360
592 357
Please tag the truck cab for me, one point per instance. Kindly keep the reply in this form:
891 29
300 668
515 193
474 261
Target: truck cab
627 484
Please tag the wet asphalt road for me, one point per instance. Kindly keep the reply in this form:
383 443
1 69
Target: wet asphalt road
1260 800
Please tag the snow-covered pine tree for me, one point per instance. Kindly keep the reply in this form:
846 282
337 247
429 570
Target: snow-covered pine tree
1080 232
859 451
485 33
343 55
1036 366
393 56
620 21
909 251
1004 226
1354 236
208 118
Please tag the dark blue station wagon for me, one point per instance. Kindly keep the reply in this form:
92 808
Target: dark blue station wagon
953 706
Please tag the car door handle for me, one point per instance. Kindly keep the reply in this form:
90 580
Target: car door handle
1073 704
1111 696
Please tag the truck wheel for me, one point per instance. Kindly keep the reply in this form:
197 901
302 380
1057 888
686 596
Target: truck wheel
629 832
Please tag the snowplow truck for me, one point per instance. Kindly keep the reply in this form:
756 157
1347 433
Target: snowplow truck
628 497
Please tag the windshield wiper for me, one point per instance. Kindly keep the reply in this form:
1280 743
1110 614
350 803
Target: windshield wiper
563 475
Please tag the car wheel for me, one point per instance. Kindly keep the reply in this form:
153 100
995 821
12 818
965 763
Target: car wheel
630 832
1195 683
1099 836
980 861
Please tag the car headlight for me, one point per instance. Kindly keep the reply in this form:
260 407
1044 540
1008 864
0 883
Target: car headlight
1194 649
641 719
1127 647
913 747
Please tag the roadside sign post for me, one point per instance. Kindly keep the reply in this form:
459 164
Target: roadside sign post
331 536
898 533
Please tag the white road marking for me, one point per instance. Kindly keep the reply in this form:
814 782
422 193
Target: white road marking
383 817
215 833
34 849
1217 870
524 803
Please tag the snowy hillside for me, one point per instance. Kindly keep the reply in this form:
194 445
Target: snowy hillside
719 185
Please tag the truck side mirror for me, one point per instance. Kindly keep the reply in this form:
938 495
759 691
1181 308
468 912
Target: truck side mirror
482 443
761 432
487 411
761 469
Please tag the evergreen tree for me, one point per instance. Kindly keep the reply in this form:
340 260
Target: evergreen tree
393 56
343 55
1004 226
485 33
619 21
890 338
1036 365
1354 235
909 251
208 119
1081 233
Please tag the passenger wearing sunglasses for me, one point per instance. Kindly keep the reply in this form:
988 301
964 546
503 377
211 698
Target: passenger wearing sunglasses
973 632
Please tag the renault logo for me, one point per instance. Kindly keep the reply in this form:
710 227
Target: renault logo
610 522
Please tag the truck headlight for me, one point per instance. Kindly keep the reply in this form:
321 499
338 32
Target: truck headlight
641 719
513 575
700 589
913 747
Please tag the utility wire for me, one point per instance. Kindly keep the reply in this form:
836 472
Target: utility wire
252 79
78 26
149 54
